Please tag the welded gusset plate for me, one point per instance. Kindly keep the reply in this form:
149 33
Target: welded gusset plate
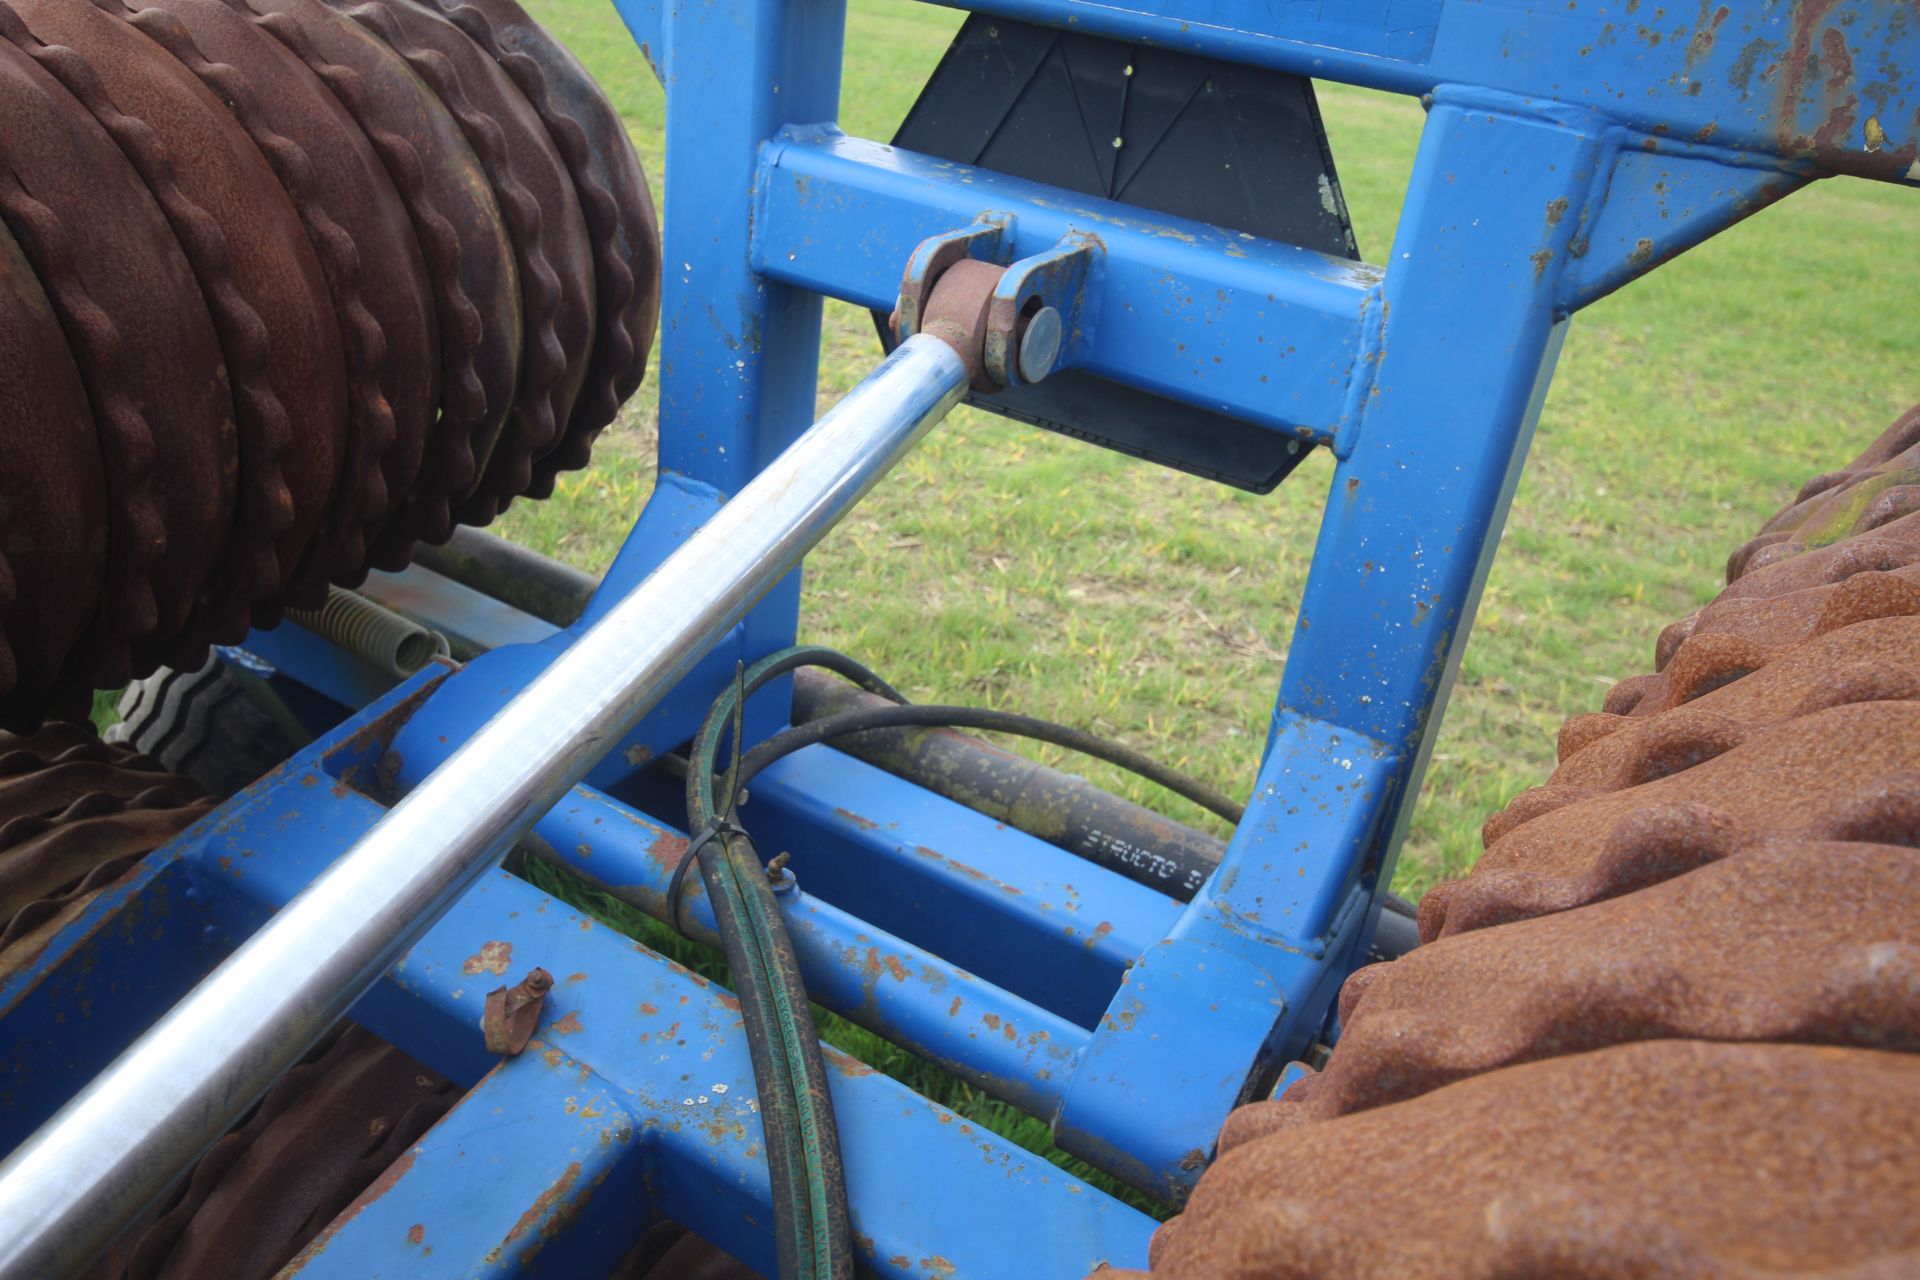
53 523
543 218
457 220
614 199
142 340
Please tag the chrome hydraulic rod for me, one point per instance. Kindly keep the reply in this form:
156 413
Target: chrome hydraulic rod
116 1147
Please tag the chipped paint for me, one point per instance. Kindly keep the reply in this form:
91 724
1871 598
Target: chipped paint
493 957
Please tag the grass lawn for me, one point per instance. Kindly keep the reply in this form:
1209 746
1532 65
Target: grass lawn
1001 565
1005 566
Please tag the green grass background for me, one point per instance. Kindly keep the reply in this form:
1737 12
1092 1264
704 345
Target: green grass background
1001 565
1005 566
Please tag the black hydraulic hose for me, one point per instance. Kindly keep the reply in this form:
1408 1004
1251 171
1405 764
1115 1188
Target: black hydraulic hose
812 1229
811 1221
922 716
1394 936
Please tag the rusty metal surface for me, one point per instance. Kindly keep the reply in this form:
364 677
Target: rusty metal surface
1719 690
279 276
375 275
75 814
613 197
325 1131
1833 505
1672 1158
140 335
458 225
53 531
1796 941
1799 614
1659 1027
957 313
542 216
1850 772
259 278
512 1013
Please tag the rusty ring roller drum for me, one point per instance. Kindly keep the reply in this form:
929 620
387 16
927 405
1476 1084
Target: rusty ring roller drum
456 218
374 273
289 286
544 223
259 276
53 536
144 344
613 196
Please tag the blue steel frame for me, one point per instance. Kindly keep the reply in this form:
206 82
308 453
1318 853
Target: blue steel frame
1568 148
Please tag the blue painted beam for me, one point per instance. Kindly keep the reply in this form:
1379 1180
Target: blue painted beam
997 1042
1836 85
69 1007
550 1177
1263 331
1004 905
1469 330
666 1045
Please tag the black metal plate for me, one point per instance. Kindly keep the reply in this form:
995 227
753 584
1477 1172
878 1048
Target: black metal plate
1237 147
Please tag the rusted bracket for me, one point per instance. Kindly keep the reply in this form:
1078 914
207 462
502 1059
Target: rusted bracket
1012 325
988 240
512 1013
1035 319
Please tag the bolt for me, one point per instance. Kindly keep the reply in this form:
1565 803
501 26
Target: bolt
1040 345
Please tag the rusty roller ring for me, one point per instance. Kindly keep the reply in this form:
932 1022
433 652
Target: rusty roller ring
359 229
57 742
140 334
57 786
53 529
69 827
76 815
262 437
543 217
458 223
130 88
265 292
322 1135
613 196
